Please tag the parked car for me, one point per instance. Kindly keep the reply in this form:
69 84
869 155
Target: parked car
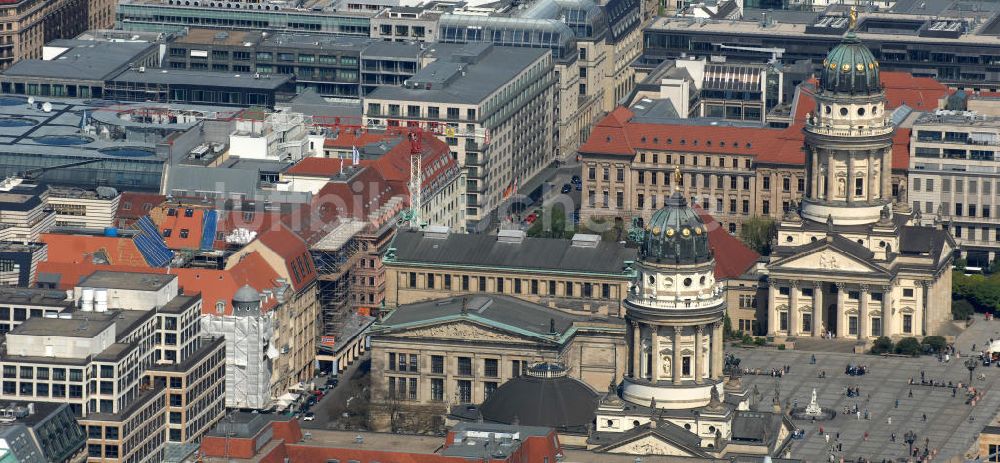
309 416
531 218
576 180
567 188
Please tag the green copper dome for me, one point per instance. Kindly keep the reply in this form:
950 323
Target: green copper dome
850 68
675 234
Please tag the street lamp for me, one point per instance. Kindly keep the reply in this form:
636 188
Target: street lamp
971 365
910 437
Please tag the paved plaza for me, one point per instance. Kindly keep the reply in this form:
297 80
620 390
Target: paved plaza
947 427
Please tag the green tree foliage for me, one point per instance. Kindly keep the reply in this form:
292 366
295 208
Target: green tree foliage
909 346
982 292
882 345
934 344
757 232
961 309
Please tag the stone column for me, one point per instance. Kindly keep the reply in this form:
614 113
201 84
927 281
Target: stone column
817 319
677 355
716 346
870 194
849 191
793 309
886 192
887 326
698 331
772 308
657 366
841 298
636 350
864 330
831 178
813 174
924 324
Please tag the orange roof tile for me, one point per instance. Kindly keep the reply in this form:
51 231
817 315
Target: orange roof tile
294 253
178 223
81 248
732 257
134 205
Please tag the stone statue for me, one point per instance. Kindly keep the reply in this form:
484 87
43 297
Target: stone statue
665 362
829 222
813 409
902 196
841 187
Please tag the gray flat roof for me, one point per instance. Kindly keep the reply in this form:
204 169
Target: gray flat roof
387 49
179 304
319 42
455 82
69 327
532 254
84 60
34 296
126 280
202 78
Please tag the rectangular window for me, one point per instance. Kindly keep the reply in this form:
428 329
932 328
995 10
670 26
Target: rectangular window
907 323
552 288
465 366
465 282
491 368
464 391
437 364
766 184
907 292
437 389
620 174
488 388
783 321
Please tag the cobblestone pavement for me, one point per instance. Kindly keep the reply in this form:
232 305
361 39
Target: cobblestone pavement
948 426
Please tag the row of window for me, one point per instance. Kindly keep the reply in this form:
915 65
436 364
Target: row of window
58 374
851 294
532 286
406 389
409 363
852 324
974 186
433 112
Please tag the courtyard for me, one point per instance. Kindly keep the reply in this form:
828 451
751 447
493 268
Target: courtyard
885 392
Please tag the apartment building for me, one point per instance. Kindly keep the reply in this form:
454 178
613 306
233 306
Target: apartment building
98 358
405 24
954 179
492 105
40 432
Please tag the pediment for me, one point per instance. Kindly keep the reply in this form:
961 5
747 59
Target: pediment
650 444
464 330
826 260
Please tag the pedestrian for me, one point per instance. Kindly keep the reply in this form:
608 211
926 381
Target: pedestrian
892 437
838 435
866 436
921 375
925 417
911 393
859 416
840 447
897 403
889 421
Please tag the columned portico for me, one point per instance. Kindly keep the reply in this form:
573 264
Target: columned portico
793 309
817 310
864 330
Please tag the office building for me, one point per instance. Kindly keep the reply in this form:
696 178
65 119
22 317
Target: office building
28 25
952 179
126 325
19 262
79 208
20 304
199 87
493 106
40 432
24 211
312 16
950 42
405 24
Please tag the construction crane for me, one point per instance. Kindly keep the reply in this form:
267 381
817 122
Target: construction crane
775 52
412 215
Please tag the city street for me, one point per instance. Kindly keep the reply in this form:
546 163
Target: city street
335 402
885 392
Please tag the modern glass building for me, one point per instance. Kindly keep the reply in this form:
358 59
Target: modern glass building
175 15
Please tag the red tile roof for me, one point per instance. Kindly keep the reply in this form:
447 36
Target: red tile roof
617 135
179 222
732 257
318 167
81 248
133 205
293 251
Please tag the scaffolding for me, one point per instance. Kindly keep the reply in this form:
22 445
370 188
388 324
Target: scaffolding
334 256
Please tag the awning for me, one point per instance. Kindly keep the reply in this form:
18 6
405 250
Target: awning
287 399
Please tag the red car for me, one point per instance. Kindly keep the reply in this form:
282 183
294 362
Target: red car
531 218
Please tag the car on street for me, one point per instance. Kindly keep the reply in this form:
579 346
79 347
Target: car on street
309 416
531 218
579 187
576 180
332 382
567 188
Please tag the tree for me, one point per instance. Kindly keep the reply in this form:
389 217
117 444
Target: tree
935 344
727 327
757 232
961 309
882 345
908 346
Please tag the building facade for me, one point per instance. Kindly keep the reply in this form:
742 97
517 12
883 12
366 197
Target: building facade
482 100
29 25
851 263
78 208
952 179
578 276
459 350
